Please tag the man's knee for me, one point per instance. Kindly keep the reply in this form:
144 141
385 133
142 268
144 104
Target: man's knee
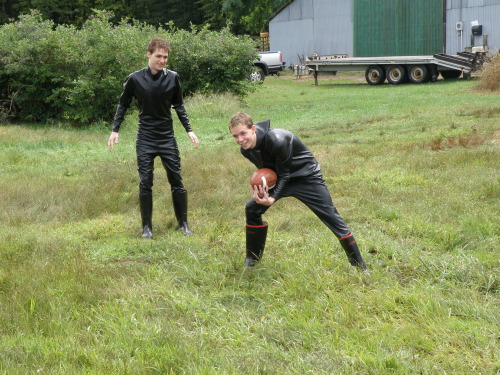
145 184
175 181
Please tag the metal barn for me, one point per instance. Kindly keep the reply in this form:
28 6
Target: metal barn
472 23
312 26
384 27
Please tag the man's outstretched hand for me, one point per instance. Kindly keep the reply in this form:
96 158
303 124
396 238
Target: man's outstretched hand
113 138
194 139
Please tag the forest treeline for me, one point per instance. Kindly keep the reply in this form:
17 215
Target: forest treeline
240 16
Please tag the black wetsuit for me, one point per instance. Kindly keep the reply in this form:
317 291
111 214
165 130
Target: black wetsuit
156 95
298 173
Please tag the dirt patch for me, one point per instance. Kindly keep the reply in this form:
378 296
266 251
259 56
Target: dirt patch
473 139
340 76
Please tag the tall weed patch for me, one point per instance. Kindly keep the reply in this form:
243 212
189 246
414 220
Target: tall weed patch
490 74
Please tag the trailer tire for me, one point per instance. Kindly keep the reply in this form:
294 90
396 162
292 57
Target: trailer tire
451 74
418 73
375 75
396 74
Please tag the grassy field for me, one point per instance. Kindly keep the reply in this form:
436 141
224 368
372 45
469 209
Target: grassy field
413 169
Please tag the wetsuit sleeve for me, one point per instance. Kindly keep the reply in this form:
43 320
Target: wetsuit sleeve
281 147
124 103
178 105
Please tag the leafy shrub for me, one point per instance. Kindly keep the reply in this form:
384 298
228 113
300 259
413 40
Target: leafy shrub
76 75
31 66
217 61
104 56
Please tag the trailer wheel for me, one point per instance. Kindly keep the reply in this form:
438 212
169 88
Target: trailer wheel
418 73
396 74
375 75
451 74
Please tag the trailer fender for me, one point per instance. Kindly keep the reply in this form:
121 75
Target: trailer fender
451 74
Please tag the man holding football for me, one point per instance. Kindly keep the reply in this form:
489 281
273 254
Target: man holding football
157 90
299 176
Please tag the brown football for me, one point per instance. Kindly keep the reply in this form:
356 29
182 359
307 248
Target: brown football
264 177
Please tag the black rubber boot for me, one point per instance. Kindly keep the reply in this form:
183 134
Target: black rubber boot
180 208
146 204
350 247
256 241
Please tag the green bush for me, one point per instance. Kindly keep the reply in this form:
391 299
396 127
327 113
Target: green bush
217 61
101 56
76 75
31 67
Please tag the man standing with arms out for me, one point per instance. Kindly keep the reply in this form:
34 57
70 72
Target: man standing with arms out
299 176
157 90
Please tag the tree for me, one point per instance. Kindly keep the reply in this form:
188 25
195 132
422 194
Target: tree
250 17
213 14
6 10
241 16
182 13
62 11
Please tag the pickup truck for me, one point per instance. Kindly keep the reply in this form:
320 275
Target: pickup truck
267 63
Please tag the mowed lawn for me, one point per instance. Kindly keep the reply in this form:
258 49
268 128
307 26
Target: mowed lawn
413 169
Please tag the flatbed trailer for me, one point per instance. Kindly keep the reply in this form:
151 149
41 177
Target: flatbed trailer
398 69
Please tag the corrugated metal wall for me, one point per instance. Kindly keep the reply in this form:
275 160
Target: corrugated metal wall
312 26
485 12
398 27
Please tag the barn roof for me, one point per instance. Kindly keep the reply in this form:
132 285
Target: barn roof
279 10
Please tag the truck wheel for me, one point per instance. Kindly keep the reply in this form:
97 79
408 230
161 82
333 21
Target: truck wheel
451 74
396 74
257 76
375 75
418 73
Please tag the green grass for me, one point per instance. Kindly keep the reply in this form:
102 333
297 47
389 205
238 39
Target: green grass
413 169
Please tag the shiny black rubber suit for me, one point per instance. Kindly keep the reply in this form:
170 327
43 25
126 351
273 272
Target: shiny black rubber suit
156 95
299 176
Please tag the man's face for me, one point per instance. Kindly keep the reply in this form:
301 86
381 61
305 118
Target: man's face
157 60
244 136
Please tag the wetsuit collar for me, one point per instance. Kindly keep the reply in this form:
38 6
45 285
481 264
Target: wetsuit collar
261 131
157 75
